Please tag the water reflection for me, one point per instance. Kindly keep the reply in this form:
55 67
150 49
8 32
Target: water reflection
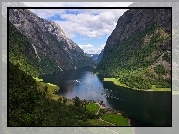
144 108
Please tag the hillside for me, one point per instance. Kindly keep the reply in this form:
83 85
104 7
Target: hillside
138 51
100 56
43 45
29 106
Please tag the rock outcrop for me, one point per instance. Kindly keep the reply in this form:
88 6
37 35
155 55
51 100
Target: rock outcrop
139 43
50 44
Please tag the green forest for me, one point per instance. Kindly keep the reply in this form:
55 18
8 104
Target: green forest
29 106
35 103
136 67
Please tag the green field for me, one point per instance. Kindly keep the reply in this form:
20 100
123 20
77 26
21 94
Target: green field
154 88
51 88
118 120
117 82
92 107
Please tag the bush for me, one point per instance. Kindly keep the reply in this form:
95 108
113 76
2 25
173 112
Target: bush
159 69
28 107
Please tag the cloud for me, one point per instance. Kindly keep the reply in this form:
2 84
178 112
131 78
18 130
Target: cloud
90 25
78 4
93 23
47 13
91 49
83 24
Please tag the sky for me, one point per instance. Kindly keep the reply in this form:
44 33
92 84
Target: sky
89 28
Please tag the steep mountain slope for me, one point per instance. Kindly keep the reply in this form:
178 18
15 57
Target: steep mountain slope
29 105
21 52
139 49
100 56
49 44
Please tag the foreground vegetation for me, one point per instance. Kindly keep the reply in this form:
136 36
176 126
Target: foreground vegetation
49 89
118 120
30 106
97 122
35 103
92 107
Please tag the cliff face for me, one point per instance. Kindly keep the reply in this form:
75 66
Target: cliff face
100 56
140 41
49 42
135 21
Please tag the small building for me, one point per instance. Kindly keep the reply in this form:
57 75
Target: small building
103 105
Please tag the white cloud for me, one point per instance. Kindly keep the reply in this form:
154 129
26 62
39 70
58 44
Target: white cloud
46 13
86 46
90 25
91 49
78 4
93 23
88 22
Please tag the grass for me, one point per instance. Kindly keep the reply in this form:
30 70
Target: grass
97 122
50 91
52 85
117 82
51 88
37 79
118 120
92 107
154 88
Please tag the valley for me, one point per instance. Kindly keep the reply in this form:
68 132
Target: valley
53 82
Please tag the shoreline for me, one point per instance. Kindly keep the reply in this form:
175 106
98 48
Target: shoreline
118 83
54 88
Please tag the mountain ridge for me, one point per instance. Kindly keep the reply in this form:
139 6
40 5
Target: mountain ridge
49 41
138 47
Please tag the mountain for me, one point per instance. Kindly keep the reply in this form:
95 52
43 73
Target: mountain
96 57
42 44
100 56
93 56
138 51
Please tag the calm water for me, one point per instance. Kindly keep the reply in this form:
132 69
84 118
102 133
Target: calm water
143 108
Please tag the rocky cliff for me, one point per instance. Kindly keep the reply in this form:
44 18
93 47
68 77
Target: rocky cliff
51 47
100 56
140 45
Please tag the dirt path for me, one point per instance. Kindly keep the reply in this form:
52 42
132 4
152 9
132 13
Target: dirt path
102 119
107 122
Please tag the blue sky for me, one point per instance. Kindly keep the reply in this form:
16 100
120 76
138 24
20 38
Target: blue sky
89 28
